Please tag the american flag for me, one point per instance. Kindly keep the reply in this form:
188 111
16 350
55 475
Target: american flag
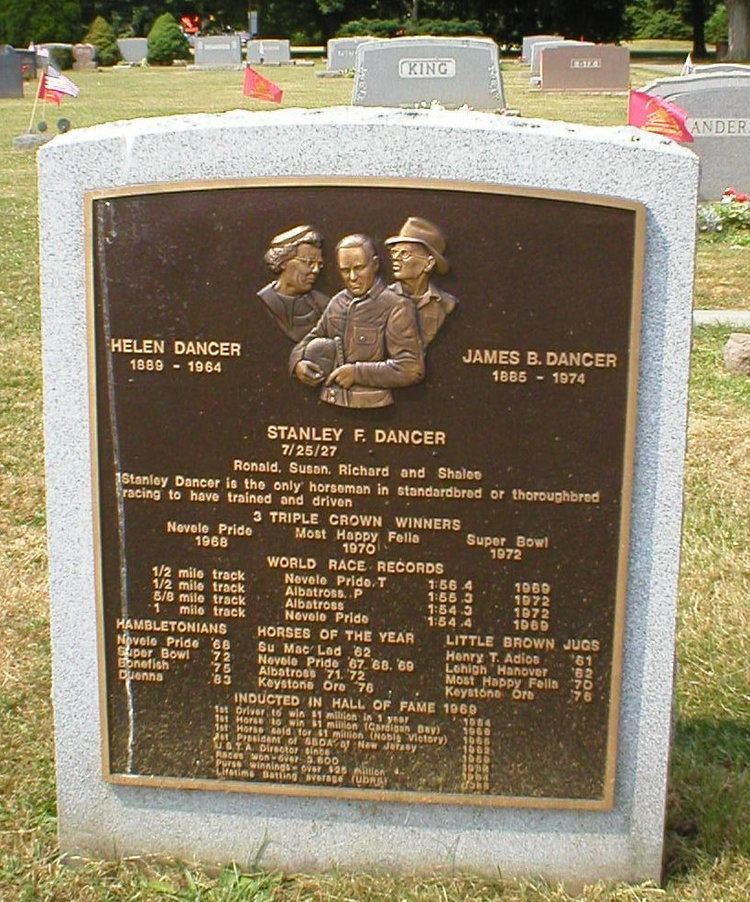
54 83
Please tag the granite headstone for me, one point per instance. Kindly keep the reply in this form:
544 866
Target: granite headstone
84 56
718 108
531 39
539 47
58 54
454 72
724 68
133 50
28 63
341 53
218 51
11 77
235 481
599 67
270 52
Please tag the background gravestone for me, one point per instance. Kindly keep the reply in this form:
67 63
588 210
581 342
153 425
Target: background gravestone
454 72
218 51
725 68
341 53
531 167
538 48
57 52
718 108
11 78
28 63
530 40
601 67
268 52
84 56
133 50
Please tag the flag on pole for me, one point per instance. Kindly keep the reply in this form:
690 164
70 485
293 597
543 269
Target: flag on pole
654 114
687 67
53 84
256 85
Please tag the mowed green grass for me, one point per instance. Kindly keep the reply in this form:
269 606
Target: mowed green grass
708 839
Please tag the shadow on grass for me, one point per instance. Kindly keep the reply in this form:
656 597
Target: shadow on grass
708 808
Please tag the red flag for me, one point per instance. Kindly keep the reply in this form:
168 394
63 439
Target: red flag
256 85
654 114
44 93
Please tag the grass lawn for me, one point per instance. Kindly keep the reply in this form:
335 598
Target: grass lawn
708 840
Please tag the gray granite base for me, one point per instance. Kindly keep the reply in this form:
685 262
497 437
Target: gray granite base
101 819
31 140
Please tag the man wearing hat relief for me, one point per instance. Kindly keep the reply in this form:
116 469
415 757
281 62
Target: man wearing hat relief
416 251
372 332
296 258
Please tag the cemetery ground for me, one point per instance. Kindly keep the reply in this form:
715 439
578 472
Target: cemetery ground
708 841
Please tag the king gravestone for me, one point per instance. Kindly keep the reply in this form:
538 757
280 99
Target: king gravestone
318 625
269 52
218 51
718 108
454 72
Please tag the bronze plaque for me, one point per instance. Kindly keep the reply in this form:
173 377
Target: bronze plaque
363 459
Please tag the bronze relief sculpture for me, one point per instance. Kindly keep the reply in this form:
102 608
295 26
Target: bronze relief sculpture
416 252
371 339
296 257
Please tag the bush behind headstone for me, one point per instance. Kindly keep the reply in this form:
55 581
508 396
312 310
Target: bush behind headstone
61 58
166 42
102 36
389 28
717 26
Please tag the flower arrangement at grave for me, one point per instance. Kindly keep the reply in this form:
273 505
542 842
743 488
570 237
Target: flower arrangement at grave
729 218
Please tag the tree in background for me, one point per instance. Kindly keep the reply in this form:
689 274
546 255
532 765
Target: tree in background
738 17
23 21
166 42
102 36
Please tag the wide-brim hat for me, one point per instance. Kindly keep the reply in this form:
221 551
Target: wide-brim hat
419 231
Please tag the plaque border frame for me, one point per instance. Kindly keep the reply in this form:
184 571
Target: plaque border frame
607 801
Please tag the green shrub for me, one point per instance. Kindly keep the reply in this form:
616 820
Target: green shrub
303 38
102 36
452 28
378 28
61 57
166 42
643 20
717 27
390 28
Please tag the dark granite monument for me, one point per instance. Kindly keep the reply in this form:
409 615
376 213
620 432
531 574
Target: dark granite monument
11 75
